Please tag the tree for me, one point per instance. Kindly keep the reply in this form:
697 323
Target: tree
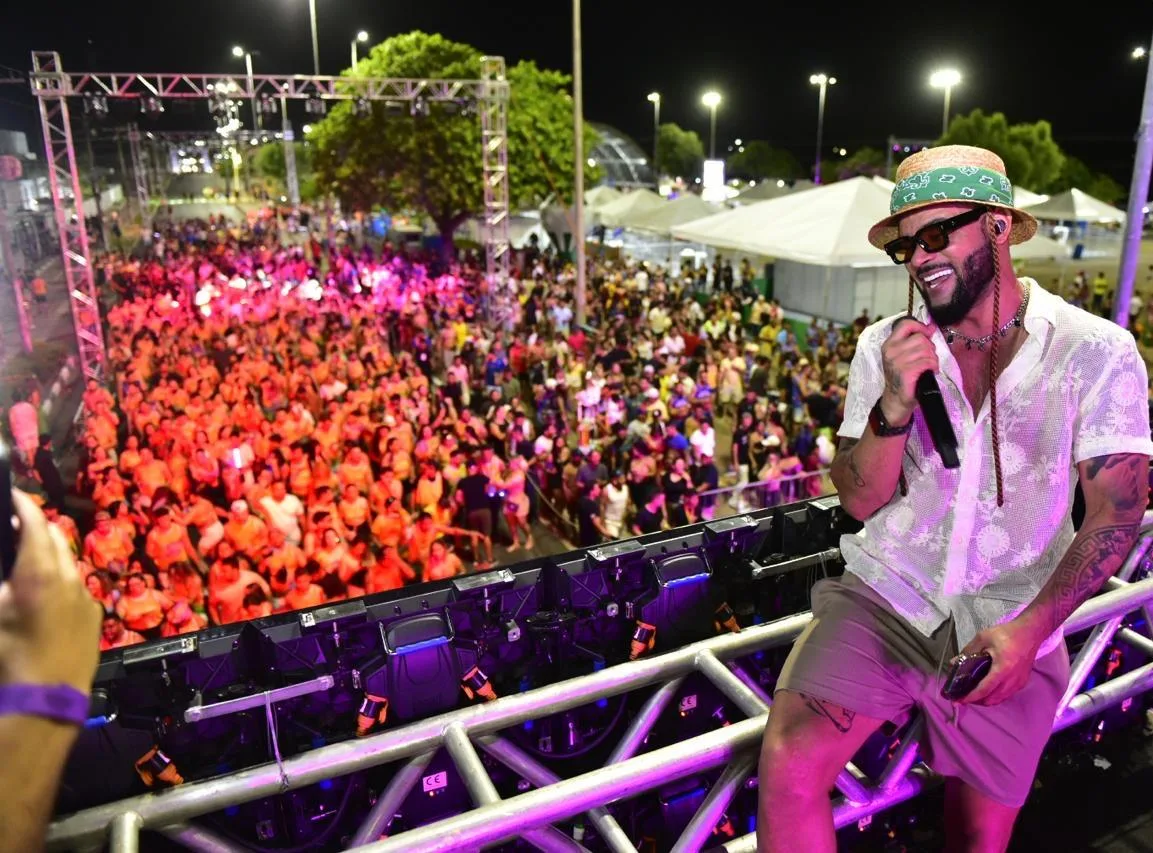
760 161
1032 157
431 162
267 161
1076 175
680 152
864 161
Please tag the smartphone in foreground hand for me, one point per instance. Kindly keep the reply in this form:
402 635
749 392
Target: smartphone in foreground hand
964 674
7 523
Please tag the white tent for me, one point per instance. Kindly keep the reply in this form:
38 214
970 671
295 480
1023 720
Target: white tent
662 220
770 189
825 264
619 213
598 197
521 228
1076 206
1027 198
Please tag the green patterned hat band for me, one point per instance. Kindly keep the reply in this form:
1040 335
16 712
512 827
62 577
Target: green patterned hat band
952 183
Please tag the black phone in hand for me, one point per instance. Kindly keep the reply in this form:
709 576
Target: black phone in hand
964 674
7 511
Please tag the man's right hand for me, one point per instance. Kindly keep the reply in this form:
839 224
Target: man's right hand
906 354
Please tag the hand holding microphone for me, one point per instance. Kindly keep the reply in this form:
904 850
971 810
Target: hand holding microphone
910 361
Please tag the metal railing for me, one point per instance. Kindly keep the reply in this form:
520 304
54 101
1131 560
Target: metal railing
626 773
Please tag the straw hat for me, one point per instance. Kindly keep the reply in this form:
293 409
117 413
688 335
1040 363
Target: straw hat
951 173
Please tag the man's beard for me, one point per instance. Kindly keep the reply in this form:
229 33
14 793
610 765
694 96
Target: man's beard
970 286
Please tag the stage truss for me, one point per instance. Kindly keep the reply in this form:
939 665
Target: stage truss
53 86
467 732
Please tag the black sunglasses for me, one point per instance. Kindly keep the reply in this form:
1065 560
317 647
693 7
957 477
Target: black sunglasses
932 238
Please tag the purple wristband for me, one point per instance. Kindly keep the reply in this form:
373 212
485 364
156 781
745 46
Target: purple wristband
57 702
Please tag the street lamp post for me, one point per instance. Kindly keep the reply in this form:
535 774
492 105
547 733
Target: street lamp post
822 81
315 40
240 52
361 38
655 100
712 100
945 78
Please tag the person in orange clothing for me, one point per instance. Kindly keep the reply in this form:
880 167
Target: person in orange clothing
168 541
442 563
141 608
304 592
181 619
113 634
107 547
227 588
389 571
245 532
425 532
280 561
392 525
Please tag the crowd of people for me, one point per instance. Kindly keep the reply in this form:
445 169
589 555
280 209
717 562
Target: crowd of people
290 425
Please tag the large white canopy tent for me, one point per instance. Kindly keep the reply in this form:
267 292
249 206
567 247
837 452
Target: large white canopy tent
825 265
661 220
618 213
1076 206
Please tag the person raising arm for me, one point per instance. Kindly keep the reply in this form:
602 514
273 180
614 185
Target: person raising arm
45 674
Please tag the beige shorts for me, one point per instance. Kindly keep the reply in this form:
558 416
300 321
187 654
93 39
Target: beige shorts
858 653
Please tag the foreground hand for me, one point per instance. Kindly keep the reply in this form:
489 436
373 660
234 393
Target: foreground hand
49 624
1013 647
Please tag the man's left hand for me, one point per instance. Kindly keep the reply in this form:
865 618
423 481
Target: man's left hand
1013 646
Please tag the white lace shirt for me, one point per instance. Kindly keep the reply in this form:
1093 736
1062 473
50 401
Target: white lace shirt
1075 389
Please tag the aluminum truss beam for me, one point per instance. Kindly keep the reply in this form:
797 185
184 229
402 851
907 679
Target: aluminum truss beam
52 86
68 205
626 773
139 176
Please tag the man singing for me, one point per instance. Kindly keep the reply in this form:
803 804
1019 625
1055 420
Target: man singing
978 558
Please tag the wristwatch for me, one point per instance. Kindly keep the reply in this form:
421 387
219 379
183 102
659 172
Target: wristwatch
58 702
881 427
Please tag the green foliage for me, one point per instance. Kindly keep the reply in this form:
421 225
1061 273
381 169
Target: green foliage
1076 175
680 153
432 163
268 161
864 161
1032 157
760 161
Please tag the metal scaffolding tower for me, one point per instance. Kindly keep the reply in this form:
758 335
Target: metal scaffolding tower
139 176
53 86
494 145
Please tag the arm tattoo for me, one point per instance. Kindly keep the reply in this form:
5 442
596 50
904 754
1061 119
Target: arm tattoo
1092 558
841 718
845 455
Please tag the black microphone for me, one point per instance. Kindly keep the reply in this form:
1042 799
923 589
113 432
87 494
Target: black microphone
932 404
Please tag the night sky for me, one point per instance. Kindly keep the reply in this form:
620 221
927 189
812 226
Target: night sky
1074 69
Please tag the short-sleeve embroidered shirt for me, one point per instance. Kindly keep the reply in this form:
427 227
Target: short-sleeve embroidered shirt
1076 389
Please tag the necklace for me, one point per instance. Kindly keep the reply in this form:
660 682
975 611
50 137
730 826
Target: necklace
1016 320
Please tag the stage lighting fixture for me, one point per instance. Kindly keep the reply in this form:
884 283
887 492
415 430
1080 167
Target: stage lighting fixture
419 108
268 106
362 107
96 105
151 106
315 107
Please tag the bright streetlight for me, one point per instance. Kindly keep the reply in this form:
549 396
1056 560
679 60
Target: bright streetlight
1139 53
945 78
655 100
712 100
362 38
822 82
239 53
